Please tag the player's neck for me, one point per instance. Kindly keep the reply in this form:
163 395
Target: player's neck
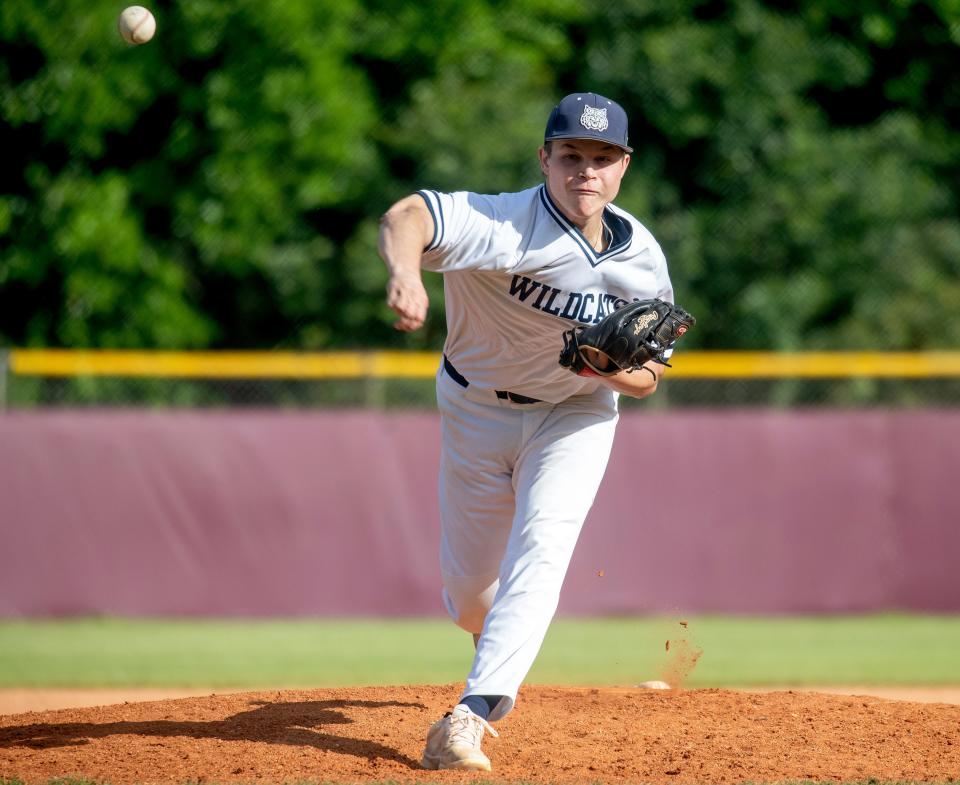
596 232
592 227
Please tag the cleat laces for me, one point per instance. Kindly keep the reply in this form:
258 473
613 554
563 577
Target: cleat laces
467 727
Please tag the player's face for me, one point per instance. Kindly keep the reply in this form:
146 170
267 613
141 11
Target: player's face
583 176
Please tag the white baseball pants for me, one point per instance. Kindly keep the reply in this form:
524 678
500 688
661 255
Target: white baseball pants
516 483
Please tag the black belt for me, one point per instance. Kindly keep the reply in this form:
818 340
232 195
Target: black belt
504 395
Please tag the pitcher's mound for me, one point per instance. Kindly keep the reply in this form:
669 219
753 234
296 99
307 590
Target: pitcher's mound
556 735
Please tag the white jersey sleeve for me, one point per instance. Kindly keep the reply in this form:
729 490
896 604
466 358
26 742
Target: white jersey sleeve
471 232
664 287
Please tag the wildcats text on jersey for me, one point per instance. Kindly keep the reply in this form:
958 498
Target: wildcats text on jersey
583 307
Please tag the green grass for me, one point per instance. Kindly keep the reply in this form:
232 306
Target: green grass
876 649
882 649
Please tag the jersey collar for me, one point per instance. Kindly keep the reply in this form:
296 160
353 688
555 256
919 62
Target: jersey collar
620 229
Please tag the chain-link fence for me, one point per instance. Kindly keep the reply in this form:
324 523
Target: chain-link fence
413 393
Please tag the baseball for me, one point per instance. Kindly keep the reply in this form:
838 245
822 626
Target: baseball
653 685
136 24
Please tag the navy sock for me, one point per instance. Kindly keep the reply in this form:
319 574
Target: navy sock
481 705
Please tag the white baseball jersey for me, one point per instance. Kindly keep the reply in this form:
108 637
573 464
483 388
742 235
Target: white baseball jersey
518 273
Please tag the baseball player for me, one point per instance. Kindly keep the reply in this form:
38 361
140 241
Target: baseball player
525 440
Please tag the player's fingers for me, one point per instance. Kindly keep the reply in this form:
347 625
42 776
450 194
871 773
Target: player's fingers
415 317
411 316
408 325
410 320
410 305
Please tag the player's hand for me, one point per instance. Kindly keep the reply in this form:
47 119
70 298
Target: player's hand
598 359
407 297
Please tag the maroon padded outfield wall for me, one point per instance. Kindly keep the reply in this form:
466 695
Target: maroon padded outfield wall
335 513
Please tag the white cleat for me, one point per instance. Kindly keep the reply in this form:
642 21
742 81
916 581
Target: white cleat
454 742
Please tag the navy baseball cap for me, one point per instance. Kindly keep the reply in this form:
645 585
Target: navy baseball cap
588 116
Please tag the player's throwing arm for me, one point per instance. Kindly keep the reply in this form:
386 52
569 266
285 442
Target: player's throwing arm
405 231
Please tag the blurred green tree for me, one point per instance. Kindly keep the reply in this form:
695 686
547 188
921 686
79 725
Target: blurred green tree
221 185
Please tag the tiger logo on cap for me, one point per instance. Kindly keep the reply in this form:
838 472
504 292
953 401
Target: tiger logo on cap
594 119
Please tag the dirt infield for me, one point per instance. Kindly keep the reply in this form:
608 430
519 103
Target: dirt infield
557 734
17 700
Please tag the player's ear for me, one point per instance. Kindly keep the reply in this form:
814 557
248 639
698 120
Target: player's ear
544 157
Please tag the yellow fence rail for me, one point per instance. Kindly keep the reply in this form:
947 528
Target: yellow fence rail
401 364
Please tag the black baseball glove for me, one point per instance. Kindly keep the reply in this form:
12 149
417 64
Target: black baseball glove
625 339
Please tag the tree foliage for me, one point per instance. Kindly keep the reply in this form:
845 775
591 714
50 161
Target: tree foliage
220 187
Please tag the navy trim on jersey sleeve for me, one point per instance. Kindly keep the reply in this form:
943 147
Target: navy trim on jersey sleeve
432 198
